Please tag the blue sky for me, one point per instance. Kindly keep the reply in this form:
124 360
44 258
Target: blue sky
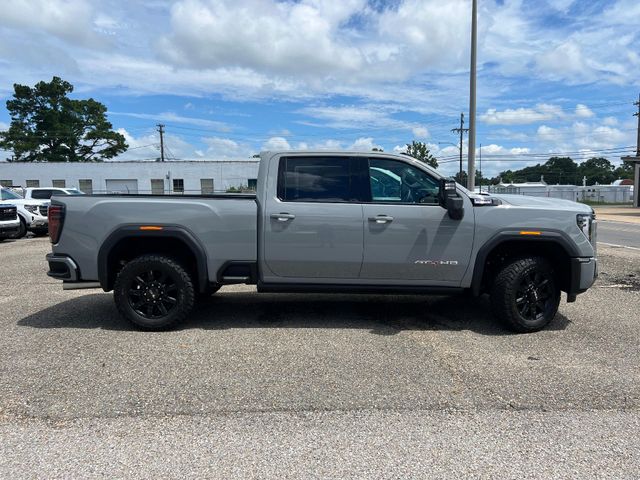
229 78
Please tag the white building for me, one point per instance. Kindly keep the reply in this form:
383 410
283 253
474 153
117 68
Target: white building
134 177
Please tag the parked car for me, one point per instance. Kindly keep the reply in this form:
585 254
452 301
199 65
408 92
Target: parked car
33 214
332 223
9 222
45 193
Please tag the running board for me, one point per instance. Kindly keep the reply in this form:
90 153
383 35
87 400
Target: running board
235 280
79 285
364 289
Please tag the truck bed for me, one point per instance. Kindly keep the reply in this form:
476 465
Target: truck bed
224 225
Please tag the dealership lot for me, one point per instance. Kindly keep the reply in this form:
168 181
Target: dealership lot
328 386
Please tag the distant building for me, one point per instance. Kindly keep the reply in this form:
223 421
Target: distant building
134 177
594 193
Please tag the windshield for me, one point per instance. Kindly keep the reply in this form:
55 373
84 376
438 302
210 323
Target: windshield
9 195
74 191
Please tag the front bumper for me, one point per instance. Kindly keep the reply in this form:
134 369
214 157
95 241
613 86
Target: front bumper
584 271
10 229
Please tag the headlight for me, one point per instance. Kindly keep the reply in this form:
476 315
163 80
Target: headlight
587 223
31 208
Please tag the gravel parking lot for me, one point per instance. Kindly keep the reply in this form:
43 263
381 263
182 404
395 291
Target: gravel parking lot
316 386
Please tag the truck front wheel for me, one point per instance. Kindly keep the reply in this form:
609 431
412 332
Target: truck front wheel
525 294
154 292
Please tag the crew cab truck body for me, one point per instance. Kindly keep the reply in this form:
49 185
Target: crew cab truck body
327 222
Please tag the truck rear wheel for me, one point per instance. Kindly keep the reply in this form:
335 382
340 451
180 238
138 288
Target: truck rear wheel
154 292
525 294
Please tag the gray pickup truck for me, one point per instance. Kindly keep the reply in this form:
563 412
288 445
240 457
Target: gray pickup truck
332 222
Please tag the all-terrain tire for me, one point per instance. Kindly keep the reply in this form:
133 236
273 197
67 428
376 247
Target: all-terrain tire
154 292
525 295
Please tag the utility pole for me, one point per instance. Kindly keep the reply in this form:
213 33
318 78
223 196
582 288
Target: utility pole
161 130
461 131
472 98
637 114
636 161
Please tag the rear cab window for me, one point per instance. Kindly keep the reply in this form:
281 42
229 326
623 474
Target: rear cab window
41 194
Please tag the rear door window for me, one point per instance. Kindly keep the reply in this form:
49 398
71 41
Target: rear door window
321 179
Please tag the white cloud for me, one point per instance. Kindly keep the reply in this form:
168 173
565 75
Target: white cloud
367 117
175 118
296 38
66 19
276 143
519 150
522 116
364 144
583 111
420 132
226 149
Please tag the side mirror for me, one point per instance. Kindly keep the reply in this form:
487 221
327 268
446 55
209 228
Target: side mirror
450 200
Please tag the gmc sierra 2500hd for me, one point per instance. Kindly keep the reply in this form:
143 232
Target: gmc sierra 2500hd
327 222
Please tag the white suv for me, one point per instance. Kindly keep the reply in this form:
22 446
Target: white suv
9 222
33 214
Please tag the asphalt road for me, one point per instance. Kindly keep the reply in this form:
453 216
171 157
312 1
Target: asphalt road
293 386
619 233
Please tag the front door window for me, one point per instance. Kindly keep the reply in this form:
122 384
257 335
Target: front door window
393 181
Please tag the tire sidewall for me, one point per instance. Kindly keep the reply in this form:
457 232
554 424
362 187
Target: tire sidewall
504 297
184 296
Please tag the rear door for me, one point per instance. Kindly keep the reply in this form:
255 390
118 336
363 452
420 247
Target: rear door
312 223
408 236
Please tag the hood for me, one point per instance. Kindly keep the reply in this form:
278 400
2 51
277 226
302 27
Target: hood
548 203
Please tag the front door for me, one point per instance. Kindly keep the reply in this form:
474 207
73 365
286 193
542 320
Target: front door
313 225
408 236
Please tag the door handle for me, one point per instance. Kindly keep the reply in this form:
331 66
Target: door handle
283 217
381 219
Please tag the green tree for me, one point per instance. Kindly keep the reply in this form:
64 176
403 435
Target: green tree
419 151
48 126
624 171
461 177
561 170
597 170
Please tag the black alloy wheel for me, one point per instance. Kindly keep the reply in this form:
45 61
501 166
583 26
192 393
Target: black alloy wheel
154 292
534 297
